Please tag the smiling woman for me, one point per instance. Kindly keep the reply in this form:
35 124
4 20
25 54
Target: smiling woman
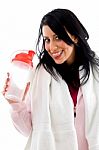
59 106
19 21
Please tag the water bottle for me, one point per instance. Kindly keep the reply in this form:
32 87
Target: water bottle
21 70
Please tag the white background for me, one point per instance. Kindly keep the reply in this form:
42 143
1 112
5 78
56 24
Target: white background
19 22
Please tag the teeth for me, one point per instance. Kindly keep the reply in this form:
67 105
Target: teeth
57 54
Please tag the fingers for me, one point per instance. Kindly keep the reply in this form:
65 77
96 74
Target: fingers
5 88
26 90
8 75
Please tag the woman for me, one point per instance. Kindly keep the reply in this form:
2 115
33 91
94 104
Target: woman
62 110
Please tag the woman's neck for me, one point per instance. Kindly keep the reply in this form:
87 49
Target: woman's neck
70 73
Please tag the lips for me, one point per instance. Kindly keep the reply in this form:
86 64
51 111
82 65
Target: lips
57 54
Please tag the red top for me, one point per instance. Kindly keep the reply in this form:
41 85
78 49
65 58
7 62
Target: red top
74 93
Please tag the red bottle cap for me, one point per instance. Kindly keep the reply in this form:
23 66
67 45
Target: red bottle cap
25 57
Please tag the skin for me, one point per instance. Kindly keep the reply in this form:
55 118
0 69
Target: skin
59 50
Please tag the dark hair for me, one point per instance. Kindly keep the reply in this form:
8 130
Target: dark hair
60 21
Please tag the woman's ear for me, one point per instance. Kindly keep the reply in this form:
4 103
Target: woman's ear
73 38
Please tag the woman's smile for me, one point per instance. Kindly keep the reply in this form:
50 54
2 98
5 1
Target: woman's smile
57 55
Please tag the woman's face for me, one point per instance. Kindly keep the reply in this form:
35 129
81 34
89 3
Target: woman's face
57 48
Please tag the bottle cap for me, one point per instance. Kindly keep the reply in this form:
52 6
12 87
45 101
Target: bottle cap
25 57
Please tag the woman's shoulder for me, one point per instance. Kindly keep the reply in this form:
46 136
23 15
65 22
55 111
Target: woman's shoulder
41 73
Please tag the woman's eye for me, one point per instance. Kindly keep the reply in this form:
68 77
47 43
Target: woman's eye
46 40
56 37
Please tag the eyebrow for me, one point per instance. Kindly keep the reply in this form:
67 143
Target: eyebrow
45 37
54 35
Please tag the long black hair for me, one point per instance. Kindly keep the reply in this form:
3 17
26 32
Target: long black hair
60 21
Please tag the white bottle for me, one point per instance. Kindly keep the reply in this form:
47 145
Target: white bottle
20 75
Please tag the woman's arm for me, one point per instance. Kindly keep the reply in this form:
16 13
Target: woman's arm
20 110
21 117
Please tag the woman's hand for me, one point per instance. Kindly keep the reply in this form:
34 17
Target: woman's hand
6 86
26 90
5 89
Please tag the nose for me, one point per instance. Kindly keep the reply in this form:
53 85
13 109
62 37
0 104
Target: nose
53 47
